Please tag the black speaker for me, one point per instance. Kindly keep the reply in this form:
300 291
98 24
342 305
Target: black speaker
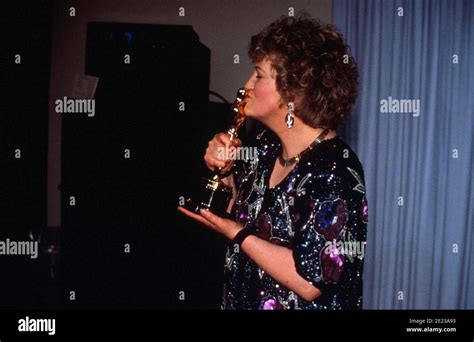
125 169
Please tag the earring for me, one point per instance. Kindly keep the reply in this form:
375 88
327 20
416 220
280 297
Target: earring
290 117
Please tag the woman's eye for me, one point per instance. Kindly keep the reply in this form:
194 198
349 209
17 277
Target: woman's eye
259 76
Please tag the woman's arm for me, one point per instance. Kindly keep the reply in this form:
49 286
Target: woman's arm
275 260
279 263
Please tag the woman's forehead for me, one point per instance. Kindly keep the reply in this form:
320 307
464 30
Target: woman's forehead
264 65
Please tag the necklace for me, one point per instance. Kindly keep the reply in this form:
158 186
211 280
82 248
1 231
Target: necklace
297 158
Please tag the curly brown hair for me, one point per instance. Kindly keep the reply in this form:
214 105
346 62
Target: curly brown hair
314 68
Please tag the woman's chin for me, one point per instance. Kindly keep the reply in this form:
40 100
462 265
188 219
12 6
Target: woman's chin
251 113
253 116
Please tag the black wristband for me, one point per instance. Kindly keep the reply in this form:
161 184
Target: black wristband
241 236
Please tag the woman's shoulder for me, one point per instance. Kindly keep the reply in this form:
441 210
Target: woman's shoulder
334 158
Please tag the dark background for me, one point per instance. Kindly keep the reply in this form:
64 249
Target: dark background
24 97
118 201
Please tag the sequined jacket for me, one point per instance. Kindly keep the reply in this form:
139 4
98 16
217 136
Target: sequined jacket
319 211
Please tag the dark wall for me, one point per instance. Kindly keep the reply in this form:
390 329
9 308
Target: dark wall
24 96
122 201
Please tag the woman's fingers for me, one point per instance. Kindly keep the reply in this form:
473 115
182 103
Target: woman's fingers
224 139
213 219
237 142
212 162
219 151
221 225
216 154
224 226
197 217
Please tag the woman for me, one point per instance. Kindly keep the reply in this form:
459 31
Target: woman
300 211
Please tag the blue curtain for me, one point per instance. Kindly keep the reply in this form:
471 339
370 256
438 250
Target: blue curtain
418 163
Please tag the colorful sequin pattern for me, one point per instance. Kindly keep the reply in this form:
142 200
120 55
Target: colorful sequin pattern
319 211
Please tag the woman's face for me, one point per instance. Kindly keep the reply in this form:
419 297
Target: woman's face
263 102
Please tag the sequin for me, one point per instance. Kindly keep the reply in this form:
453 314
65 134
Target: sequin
264 226
321 201
365 211
270 304
332 265
331 218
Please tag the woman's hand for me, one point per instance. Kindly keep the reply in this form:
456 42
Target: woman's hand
275 260
217 152
221 225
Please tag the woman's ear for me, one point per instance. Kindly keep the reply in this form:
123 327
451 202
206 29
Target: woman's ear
284 104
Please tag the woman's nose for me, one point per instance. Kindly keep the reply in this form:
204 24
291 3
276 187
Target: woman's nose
250 82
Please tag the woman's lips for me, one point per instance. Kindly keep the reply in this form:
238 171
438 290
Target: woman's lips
247 94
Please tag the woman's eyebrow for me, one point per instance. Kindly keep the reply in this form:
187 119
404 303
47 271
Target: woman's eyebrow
260 69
